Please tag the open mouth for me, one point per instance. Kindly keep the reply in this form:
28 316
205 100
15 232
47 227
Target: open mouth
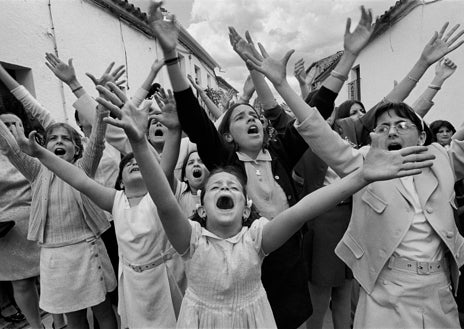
159 133
60 151
196 173
134 169
225 202
394 147
253 129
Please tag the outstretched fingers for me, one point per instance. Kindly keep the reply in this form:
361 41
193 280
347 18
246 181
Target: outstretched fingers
114 109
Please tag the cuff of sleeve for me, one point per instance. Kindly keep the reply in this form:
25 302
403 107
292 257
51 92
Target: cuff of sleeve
20 92
85 106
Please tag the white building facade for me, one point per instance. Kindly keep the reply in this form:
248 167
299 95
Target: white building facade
94 33
392 54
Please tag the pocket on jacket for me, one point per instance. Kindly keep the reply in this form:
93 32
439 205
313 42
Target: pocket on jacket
355 248
374 201
446 299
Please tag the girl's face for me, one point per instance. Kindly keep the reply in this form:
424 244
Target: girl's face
131 173
356 111
246 130
224 204
395 138
156 132
195 172
61 143
444 136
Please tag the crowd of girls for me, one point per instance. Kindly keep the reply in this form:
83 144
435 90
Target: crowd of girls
257 220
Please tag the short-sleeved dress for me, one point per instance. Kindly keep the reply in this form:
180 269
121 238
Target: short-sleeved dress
224 281
151 274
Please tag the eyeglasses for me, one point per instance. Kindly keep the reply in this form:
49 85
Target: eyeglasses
401 128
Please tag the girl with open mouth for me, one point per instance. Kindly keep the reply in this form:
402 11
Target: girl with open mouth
66 223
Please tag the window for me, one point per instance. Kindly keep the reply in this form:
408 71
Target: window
9 103
354 87
197 75
208 81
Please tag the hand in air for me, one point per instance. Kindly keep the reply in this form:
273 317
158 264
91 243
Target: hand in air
381 164
125 113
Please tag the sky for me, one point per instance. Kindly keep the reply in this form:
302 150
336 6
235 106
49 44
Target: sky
314 28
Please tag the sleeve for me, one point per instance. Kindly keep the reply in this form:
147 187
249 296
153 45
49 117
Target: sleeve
278 118
33 107
85 106
93 152
28 166
255 233
456 155
201 130
328 145
324 101
139 96
194 238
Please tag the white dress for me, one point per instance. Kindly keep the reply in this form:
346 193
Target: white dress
224 281
151 274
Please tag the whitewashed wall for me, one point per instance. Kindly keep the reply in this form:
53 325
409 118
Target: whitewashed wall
85 32
392 55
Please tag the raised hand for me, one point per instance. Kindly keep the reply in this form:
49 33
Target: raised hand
194 83
300 72
64 72
125 113
157 65
445 68
381 164
354 42
27 145
242 47
168 115
164 28
275 70
109 76
442 44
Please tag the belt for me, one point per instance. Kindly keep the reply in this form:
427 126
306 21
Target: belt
421 268
160 259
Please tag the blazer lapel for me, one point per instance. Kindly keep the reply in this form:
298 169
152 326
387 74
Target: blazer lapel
400 187
426 183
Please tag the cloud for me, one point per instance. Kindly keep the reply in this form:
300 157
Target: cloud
314 28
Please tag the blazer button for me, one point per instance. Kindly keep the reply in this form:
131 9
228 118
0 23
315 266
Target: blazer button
449 234
429 210
276 177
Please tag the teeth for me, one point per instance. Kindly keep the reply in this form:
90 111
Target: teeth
196 173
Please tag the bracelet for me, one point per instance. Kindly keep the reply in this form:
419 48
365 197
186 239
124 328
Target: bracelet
172 61
76 89
413 79
434 87
338 76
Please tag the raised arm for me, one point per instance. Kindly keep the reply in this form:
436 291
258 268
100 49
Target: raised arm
300 74
94 149
440 45
134 123
324 142
30 104
443 70
71 174
212 108
353 43
29 167
168 117
245 48
194 120
378 165
248 91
